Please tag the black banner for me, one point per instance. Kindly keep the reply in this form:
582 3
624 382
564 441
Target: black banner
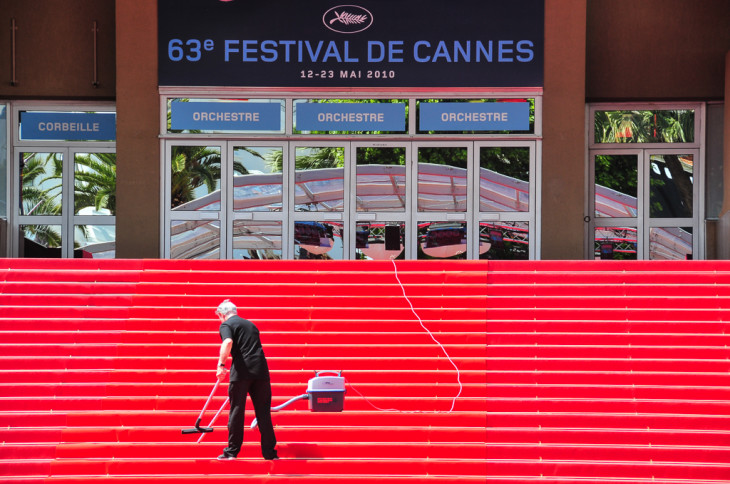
368 43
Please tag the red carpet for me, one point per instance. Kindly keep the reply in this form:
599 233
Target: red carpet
104 362
572 372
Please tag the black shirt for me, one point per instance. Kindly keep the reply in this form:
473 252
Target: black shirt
249 361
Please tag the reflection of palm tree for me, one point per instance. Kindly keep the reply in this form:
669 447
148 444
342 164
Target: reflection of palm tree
40 193
308 158
193 167
669 126
96 181
41 183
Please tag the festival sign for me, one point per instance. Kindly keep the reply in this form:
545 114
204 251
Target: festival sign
373 43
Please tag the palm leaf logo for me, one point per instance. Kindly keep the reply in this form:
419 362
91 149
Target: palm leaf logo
348 18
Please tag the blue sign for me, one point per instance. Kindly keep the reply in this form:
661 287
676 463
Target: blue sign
445 116
351 117
369 43
233 116
68 126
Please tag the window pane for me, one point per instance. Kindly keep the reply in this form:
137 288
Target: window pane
94 241
256 240
442 179
504 179
41 181
95 182
381 179
616 185
668 126
615 243
195 178
671 181
320 176
504 240
441 240
257 179
3 161
41 241
380 241
195 239
318 240
670 243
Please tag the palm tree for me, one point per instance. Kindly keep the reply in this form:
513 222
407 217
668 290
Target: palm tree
193 167
95 181
41 194
668 126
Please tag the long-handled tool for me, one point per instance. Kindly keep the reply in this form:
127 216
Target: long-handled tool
198 428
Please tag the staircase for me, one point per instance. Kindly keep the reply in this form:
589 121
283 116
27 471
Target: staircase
102 363
571 372
608 372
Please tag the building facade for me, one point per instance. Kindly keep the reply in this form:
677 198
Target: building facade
550 129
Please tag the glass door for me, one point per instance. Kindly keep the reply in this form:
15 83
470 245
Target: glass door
258 221
381 200
644 204
506 205
442 200
618 181
320 214
42 194
671 199
195 209
67 203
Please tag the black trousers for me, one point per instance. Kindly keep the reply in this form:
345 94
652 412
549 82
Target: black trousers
260 391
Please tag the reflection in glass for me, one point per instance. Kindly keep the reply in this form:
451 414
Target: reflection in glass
94 241
320 179
380 241
662 126
257 185
3 161
441 240
40 241
195 239
95 183
381 179
504 176
670 243
256 239
195 178
41 176
616 185
442 179
318 240
615 243
670 178
504 240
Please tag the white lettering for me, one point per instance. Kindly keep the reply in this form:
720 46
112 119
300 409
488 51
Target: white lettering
473 117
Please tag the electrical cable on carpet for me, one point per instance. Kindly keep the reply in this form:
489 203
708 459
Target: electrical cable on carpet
458 374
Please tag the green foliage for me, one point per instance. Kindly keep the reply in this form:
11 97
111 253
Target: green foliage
661 126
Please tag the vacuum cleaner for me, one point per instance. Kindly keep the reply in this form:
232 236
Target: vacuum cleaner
325 394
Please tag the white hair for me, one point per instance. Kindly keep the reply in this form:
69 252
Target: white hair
226 307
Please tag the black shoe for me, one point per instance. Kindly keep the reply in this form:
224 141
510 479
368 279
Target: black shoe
226 457
272 457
